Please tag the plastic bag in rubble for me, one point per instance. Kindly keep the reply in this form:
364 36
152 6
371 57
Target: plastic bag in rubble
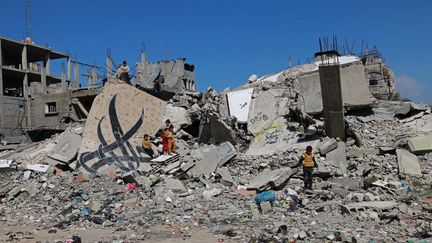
266 196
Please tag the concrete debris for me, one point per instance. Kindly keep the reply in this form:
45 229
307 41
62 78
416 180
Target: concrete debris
381 205
420 145
271 179
226 177
5 163
338 157
230 147
38 167
213 158
174 185
68 143
327 145
408 163
177 115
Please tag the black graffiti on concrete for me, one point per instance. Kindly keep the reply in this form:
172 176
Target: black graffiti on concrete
128 160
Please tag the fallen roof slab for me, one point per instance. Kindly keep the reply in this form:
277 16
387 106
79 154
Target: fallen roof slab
407 162
420 145
271 179
213 159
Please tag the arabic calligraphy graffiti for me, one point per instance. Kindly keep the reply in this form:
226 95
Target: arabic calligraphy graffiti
126 158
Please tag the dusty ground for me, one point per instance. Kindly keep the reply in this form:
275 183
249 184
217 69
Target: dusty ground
156 234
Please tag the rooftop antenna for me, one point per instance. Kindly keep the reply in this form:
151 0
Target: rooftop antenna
27 14
143 47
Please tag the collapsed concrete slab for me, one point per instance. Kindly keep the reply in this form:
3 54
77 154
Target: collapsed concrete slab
338 157
67 145
275 138
359 152
212 158
177 115
226 177
408 163
239 103
174 185
271 179
420 145
263 110
119 117
220 131
355 90
327 145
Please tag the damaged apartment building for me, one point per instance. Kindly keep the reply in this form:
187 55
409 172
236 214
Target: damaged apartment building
33 100
36 102
175 76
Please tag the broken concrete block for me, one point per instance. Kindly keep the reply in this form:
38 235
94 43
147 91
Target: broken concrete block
328 145
171 166
271 179
379 205
177 115
67 146
214 158
5 163
420 145
226 176
338 157
38 167
266 207
174 185
407 162
220 131
166 158
186 166
359 152
27 175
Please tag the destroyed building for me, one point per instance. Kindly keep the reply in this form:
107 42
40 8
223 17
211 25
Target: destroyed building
372 184
175 76
32 98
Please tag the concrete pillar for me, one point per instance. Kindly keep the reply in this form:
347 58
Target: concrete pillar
47 63
331 92
76 75
63 81
93 77
68 67
24 63
27 101
43 80
109 67
143 58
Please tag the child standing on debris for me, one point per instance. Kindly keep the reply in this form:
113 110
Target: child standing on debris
171 140
147 145
307 160
165 141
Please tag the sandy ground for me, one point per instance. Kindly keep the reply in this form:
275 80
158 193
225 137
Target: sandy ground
155 234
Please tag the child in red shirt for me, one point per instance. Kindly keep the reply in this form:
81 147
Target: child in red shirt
165 141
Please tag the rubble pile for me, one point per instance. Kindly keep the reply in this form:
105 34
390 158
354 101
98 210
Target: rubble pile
374 185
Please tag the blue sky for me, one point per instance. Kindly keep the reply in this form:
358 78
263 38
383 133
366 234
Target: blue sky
230 40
